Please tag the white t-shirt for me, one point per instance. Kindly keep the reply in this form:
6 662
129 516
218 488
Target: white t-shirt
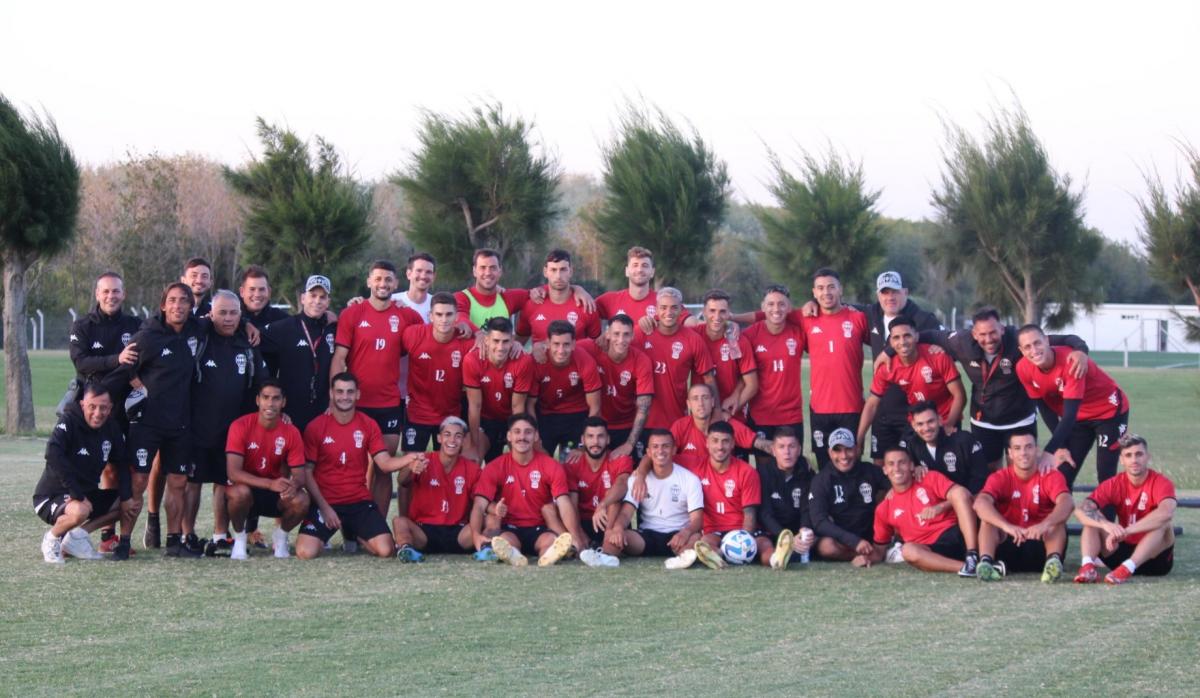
421 308
668 502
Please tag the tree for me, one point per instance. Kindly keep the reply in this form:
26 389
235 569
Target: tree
666 191
305 215
1171 232
39 202
825 217
1010 217
478 181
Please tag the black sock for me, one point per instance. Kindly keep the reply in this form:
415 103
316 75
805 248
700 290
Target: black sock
125 539
973 553
988 559
172 539
1053 556
153 516
107 533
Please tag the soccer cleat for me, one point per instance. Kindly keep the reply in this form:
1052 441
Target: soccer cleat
279 541
1118 576
991 571
52 549
782 554
152 536
1052 571
121 551
588 557
557 550
350 546
709 557
78 544
218 546
506 553
605 560
682 561
255 539
895 554
107 545
180 549
1087 574
407 553
238 550
968 566
195 545
485 554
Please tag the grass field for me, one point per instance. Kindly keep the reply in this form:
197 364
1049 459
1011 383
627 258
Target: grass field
352 625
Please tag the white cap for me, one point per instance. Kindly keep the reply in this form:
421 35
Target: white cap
841 437
889 279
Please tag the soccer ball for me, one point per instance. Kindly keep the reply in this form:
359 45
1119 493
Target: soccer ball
738 547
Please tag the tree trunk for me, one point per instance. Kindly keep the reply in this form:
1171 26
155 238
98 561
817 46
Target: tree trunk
1031 306
17 381
1194 288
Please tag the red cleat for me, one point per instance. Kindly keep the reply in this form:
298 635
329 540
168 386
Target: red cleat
1086 575
106 546
1118 576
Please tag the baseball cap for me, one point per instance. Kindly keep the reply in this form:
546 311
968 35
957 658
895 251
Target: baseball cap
841 437
317 280
889 279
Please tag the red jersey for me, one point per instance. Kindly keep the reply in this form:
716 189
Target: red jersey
897 513
691 444
497 384
264 452
777 356
1025 502
835 354
622 383
435 374
513 299
1133 503
730 363
727 494
614 303
675 358
564 389
342 453
927 379
592 486
1099 395
525 488
373 340
441 498
536 318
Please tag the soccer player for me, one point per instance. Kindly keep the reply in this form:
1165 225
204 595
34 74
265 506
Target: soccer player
339 447
526 481
691 430
1092 408
598 483
263 456
566 390
299 351
627 380
918 373
435 372
736 372
1142 539
197 276
842 501
989 354
671 515
677 355
559 304
639 301
368 344
421 272
1023 516
68 496
254 289
486 299
932 517
777 350
732 493
442 484
497 386
957 455
783 516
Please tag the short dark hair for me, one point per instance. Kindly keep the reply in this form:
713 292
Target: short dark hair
777 288
344 377
522 417
622 319
889 449
498 324
187 291
558 255
985 312
826 271
443 298
1020 431
1031 327
659 432
721 427
253 271
94 388
901 321
484 252
382 264
785 433
422 256
595 421
716 294
560 327
1130 439
196 262
272 383
919 407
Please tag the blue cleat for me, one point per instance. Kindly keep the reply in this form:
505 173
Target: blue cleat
407 553
486 554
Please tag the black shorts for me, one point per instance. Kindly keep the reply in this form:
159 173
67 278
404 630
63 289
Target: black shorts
208 465
618 437
1029 556
389 419
822 425
561 430
496 431
49 509
995 441
526 536
416 438
885 435
595 538
1105 434
264 503
442 539
359 520
657 543
175 447
1154 567
950 544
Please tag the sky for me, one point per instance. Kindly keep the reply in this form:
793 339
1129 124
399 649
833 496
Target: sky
1111 88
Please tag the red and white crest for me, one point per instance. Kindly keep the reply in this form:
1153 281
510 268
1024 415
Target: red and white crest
676 350
927 374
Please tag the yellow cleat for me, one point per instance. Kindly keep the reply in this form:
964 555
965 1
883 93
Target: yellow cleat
783 550
506 553
708 556
557 551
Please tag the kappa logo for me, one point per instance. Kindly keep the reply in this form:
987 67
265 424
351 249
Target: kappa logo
1016 494
485 379
897 513
647 345
705 482
510 480
977 447
210 363
302 343
760 349
165 352
904 382
253 446
62 426
434 482
83 452
540 318
583 484
974 364
816 330
775 495
364 323
545 379
424 356
1112 399
690 447
328 440
874 330
74 338
97 345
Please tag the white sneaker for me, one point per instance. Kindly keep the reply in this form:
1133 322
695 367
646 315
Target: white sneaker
590 557
78 544
52 548
683 561
894 554
605 560
239 547
279 540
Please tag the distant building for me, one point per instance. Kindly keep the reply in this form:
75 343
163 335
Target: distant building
1134 327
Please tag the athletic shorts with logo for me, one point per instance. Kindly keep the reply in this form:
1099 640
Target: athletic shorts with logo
359 520
49 509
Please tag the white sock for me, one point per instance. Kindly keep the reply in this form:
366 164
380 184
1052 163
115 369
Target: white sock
1130 565
1088 560
239 536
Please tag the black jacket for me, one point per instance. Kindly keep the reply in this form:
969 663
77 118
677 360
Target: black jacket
228 372
265 316
166 364
96 342
76 455
842 505
959 457
303 372
893 406
784 499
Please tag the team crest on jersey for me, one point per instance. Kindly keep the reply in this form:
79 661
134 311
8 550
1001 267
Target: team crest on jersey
606 479
460 483
508 380
105 449
725 351
126 338
797 495
279 443
410 436
329 342
1037 494
650 311
455 358
729 488
535 479
927 374
193 344
572 317
573 376
864 489
240 360
625 377
1142 501
676 350
922 496
1005 366
142 456
791 346
676 491
1058 383
819 438
358 438
951 462
394 323
847 329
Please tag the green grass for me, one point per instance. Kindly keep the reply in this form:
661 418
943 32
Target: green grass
51 371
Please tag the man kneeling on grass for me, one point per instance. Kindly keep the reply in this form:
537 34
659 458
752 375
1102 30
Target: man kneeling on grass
1142 539
932 517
